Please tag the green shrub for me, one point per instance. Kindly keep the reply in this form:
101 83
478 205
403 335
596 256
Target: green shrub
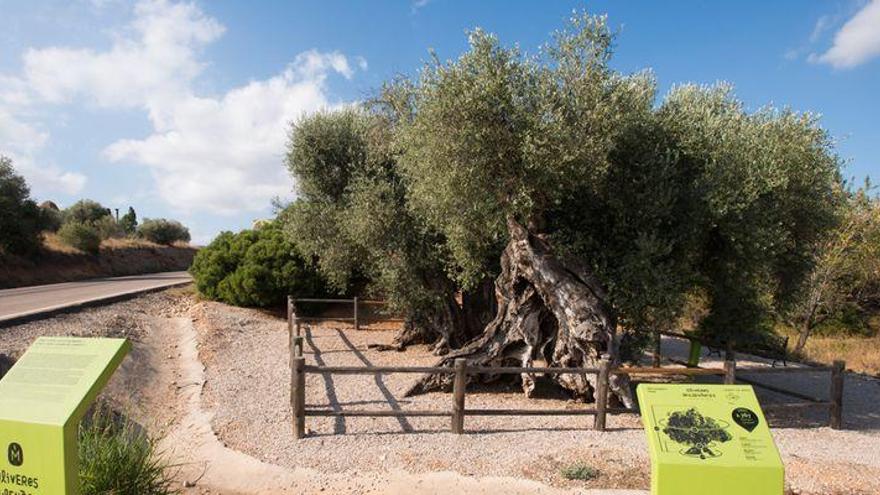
82 236
254 268
21 221
86 211
116 457
52 219
163 231
579 471
108 228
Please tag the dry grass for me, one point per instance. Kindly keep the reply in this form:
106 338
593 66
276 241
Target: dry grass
51 242
862 354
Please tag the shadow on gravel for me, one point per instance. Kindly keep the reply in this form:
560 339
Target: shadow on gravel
329 388
389 397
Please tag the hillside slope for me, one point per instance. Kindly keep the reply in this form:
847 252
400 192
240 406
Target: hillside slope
59 263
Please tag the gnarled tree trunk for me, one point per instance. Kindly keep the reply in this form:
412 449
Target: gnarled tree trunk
548 308
449 324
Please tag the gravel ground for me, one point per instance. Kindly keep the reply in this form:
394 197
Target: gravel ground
246 389
245 353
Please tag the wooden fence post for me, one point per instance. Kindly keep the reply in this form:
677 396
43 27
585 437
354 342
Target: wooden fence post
657 357
293 321
459 385
290 315
357 325
298 346
602 393
837 376
729 372
298 396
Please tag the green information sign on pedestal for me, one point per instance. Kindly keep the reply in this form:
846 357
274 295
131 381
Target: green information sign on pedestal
42 399
709 439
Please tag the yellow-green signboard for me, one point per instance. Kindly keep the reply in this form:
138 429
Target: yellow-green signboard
708 439
42 399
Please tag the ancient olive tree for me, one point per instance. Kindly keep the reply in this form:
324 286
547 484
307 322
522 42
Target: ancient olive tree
612 209
352 214
595 209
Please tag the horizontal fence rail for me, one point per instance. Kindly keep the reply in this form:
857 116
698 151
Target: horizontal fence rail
461 371
294 320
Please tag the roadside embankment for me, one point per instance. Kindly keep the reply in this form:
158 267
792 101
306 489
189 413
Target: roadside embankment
116 258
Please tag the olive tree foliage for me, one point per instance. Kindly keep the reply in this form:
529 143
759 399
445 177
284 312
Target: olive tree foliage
495 134
695 193
352 215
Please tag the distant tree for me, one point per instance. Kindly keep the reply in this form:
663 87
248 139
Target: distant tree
163 231
846 269
85 211
82 236
52 216
129 222
108 227
21 221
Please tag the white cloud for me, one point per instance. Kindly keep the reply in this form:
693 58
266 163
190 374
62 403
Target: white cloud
225 154
221 154
21 141
857 41
419 4
155 59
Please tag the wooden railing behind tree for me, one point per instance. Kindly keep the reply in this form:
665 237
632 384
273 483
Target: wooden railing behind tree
356 304
460 371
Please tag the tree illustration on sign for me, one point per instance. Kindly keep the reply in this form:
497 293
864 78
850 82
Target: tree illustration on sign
696 431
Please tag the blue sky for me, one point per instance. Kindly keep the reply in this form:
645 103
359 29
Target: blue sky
181 108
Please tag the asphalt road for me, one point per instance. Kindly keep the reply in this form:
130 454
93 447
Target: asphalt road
25 302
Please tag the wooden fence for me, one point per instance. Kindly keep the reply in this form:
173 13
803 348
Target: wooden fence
356 317
460 372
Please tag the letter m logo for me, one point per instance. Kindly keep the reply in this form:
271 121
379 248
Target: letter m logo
15 454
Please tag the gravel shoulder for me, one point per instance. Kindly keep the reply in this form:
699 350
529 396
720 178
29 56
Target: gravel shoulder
246 358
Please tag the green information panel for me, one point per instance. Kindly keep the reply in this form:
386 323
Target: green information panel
709 439
42 399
